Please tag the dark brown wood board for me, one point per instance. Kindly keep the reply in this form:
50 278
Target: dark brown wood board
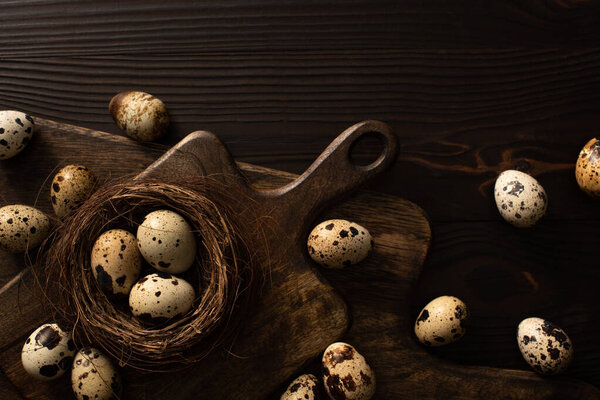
379 291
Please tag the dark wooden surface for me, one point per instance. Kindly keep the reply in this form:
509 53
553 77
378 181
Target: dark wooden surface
471 88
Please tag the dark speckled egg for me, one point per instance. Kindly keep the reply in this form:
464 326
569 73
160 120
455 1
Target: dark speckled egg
94 377
346 373
544 346
520 199
337 243
22 227
304 387
587 169
48 352
71 186
16 130
441 321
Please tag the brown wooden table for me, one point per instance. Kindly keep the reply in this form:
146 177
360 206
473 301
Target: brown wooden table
471 88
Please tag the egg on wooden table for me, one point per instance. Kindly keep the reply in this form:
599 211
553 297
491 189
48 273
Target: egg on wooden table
167 241
140 115
545 346
160 297
520 199
94 377
16 129
587 168
346 373
22 227
48 352
304 387
71 186
338 243
441 321
116 261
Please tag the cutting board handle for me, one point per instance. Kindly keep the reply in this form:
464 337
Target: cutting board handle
333 173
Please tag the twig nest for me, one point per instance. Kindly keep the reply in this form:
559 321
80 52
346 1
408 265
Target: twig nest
520 199
94 376
441 321
22 227
71 186
166 241
545 346
587 169
48 352
140 115
338 243
116 262
346 373
16 129
304 387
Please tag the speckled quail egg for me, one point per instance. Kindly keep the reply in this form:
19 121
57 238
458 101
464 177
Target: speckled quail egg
337 243
167 242
94 377
22 227
116 261
48 352
158 297
140 115
587 169
346 374
520 199
304 387
71 186
442 321
16 129
544 346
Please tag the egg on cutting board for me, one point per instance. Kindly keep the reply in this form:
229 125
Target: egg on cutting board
140 115
22 227
167 241
346 373
520 199
48 352
545 346
159 297
587 168
94 377
441 321
71 186
338 243
116 261
16 129
304 387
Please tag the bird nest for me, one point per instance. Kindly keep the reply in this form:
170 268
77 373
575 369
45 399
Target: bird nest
226 274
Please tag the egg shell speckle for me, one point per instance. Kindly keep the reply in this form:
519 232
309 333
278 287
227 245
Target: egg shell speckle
16 129
20 224
94 377
441 321
140 115
587 169
520 199
346 374
48 352
159 297
544 346
71 186
304 387
337 243
116 261
167 242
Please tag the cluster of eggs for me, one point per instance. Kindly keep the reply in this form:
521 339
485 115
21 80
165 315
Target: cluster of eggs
49 352
346 375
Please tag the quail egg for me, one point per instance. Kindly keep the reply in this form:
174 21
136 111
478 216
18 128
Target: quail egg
337 243
544 346
140 115
116 261
587 169
441 321
22 227
167 242
94 377
346 374
159 297
304 387
520 199
16 129
48 352
71 186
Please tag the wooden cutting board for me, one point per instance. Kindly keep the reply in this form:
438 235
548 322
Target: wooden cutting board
378 292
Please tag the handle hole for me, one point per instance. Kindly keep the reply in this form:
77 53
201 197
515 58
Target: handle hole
367 149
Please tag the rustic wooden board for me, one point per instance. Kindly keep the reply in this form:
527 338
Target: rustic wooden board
379 291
